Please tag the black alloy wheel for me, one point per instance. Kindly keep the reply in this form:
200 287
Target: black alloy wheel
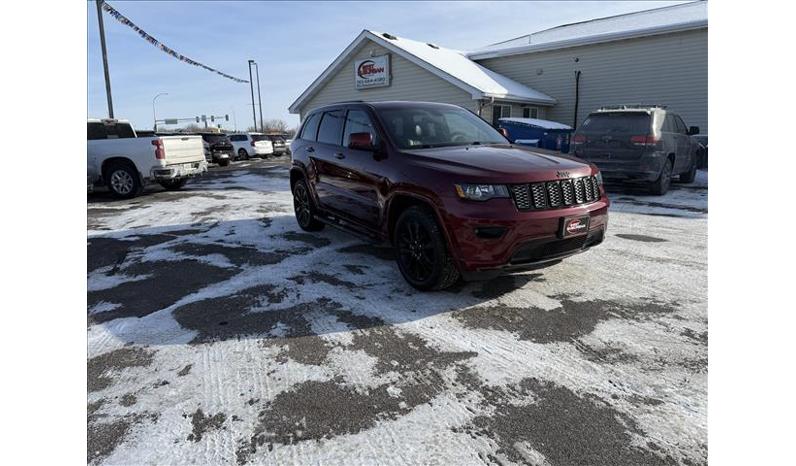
304 209
421 251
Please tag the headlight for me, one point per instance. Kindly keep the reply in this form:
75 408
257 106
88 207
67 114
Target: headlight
599 177
481 192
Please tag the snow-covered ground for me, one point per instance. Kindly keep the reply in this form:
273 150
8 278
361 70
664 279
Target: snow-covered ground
219 333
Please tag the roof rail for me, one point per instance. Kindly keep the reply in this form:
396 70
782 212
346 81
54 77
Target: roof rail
631 106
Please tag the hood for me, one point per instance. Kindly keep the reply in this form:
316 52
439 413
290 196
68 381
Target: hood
498 163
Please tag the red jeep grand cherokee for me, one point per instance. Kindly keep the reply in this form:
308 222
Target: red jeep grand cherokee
450 192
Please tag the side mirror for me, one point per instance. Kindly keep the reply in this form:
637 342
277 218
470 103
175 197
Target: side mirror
361 141
692 130
504 132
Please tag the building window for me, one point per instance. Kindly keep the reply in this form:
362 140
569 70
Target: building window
530 112
500 111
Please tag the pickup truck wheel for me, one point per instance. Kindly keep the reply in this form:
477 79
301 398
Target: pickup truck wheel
661 186
690 175
305 208
173 185
242 154
421 251
123 181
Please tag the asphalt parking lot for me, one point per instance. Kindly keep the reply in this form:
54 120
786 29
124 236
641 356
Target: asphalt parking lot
220 333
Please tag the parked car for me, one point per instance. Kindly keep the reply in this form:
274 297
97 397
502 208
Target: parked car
280 148
220 148
125 163
639 144
702 150
452 195
251 145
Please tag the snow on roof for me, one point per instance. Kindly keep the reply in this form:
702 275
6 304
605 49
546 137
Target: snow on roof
546 124
640 23
455 64
448 64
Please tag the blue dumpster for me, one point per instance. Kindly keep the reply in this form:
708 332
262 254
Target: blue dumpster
537 133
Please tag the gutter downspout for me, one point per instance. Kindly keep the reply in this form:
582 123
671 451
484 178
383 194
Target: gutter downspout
577 100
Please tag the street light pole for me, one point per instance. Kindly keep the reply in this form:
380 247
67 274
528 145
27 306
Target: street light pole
259 102
251 85
154 116
105 59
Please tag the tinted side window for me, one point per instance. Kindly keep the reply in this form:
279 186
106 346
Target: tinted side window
358 121
669 124
681 128
237 137
96 131
331 128
310 129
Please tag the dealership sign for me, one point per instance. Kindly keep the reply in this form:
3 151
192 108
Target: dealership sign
372 72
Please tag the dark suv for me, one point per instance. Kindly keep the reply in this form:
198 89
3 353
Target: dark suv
640 144
448 191
219 148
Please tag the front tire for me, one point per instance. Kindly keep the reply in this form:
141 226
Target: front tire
661 185
304 207
173 185
223 162
422 252
123 181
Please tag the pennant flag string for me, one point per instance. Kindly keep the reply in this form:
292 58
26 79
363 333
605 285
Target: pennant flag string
122 19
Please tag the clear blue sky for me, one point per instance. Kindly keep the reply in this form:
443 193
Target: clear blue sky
293 42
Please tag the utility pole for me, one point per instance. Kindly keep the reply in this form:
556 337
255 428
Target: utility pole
259 102
105 59
154 115
251 85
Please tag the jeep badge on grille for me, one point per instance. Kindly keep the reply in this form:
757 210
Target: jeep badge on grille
562 174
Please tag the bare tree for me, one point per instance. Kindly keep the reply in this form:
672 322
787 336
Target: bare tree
276 125
193 128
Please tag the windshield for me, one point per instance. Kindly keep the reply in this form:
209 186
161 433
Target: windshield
259 137
427 127
214 138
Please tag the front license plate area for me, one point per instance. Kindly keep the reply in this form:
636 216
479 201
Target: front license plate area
574 226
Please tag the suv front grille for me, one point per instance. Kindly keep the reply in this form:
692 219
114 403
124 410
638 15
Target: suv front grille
555 194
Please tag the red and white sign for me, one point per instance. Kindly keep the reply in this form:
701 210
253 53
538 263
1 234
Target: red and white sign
372 72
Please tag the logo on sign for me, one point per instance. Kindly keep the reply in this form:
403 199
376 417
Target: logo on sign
576 226
372 72
368 68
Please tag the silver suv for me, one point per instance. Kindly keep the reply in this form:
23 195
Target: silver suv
638 143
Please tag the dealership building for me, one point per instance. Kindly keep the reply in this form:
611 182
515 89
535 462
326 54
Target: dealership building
655 56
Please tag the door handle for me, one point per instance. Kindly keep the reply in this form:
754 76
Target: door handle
310 149
339 156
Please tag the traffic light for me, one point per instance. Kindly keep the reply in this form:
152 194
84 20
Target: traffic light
226 117
212 118
197 119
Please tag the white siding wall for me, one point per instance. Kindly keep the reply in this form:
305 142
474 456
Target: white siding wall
668 69
409 82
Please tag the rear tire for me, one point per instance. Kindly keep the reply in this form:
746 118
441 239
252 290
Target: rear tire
690 175
422 252
661 185
175 184
242 154
304 207
122 180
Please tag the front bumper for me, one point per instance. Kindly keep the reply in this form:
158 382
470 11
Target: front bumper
493 237
180 170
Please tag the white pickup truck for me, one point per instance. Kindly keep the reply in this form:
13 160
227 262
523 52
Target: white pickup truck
125 163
